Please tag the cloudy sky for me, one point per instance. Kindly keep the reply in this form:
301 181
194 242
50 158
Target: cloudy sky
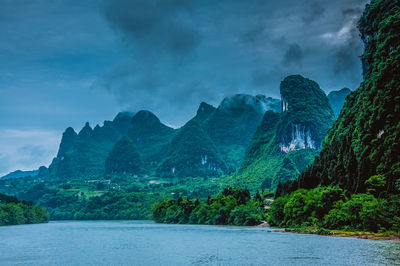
65 62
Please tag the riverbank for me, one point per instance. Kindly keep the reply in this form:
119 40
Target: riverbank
390 235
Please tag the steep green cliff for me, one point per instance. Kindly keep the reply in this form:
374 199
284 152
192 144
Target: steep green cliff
286 142
124 159
191 153
363 146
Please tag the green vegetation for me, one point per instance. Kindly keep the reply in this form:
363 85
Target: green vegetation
331 207
354 182
117 197
305 107
150 137
123 158
14 211
362 149
285 143
231 207
192 153
232 125
210 144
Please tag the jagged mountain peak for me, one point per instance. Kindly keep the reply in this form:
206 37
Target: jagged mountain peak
86 130
205 108
145 116
69 131
297 90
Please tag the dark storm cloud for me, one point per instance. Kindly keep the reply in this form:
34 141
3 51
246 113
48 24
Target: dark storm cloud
184 52
345 63
293 56
155 23
315 12
64 62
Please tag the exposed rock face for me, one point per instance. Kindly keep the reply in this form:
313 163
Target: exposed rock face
285 105
286 142
306 115
300 139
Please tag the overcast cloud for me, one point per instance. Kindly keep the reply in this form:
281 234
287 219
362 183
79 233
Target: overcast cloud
65 62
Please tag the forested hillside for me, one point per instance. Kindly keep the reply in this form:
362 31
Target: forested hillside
222 133
285 142
362 149
354 183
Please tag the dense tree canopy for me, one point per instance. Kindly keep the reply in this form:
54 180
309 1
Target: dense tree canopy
14 211
364 140
232 206
124 158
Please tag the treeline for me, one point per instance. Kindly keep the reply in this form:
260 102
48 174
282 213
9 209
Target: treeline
332 208
109 206
14 211
231 207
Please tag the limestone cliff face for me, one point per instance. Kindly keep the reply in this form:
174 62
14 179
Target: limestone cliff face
306 115
300 138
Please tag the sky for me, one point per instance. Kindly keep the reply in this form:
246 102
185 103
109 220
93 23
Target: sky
65 62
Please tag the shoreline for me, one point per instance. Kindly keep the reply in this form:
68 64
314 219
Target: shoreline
391 236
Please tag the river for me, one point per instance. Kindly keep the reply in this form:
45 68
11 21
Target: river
147 243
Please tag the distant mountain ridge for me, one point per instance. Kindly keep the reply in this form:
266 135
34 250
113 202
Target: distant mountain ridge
20 174
212 143
226 130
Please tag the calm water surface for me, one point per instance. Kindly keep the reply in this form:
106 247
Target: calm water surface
146 243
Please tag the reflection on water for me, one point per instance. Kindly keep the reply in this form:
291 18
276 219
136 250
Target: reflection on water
146 243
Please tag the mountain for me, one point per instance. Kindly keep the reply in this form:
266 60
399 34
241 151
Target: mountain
362 149
225 131
306 114
85 153
150 136
337 99
124 158
191 153
19 174
285 142
232 125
